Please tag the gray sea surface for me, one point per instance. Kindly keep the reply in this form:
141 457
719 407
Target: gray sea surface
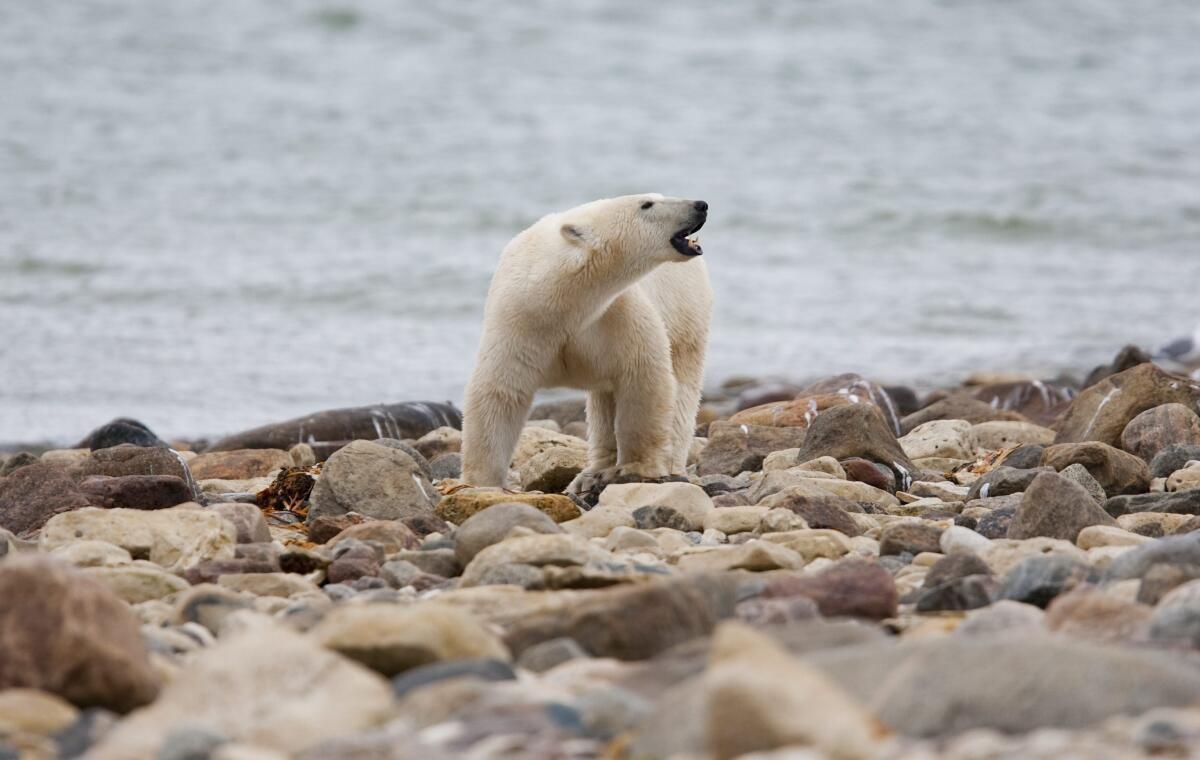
220 213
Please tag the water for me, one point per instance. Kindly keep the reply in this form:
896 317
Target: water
222 213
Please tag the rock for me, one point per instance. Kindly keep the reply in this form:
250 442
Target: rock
92 554
16 462
874 475
634 622
1186 479
1056 507
686 499
1101 412
1172 550
1089 613
1039 579
995 524
1178 503
267 686
175 538
1002 481
932 687
1000 434
649 518
1152 524
951 439
128 459
1077 473
400 421
391 639
730 520
857 430
754 555
119 431
1037 400
909 537
435 443
966 593
563 411
812 544
482 668
34 493
268 584
1173 457
1154 429
491 525
35 712
759 612
558 550
374 480
1117 471
208 605
858 390
247 521
552 470
64 632
535 440
957 408
1025 457
239 464
959 540
1004 616
1176 618
849 588
457 507
798 412
757 697
353 560
136 491
390 536
322 529
447 466
819 511
954 567
139 583
549 654
734 448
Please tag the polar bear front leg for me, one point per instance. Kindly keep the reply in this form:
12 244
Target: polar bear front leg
644 423
602 444
497 403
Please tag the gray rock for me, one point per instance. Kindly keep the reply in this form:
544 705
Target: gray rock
247 519
1056 507
548 654
649 518
1003 481
955 566
190 743
399 421
447 465
910 537
443 562
490 526
1172 550
1025 457
1004 616
967 593
1173 457
374 480
412 452
513 574
933 687
1077 473
734 448
1177 502
857 430
1038 579
479 668
34 493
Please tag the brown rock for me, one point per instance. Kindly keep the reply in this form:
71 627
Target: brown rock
458 506
797 412
391 535
64 632
325 527
1055 507
1041 402
128 459
850 588
33 494
210 571
1089 613
1101 412
247 519
860 469
1155 429
1127 358
855 430
1118 472
959 407
858 389
399 421
734 448
909 537
136 491
239 464
374 480
820 511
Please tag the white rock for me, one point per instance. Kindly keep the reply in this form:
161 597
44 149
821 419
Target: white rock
687 499
139 582
959 540
175 538
1095 536
1185 479
813 543
92 554
952 439
1003 434
731 520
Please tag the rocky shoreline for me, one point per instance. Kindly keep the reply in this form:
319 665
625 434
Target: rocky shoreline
1009 568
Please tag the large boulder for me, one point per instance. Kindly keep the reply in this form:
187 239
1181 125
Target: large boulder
957 407
266 686
64 632
128 459
734 448
136 491
849 588
1118 472
33 494
374 480
1056 507
411 419
176 538
1101 412
1154 429
491 525
857 430
949 439
119 431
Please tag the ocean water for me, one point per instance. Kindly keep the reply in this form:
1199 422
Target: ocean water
219 213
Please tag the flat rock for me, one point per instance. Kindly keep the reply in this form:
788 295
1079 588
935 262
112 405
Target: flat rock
1178 503
32 494
457 507
400 421
266 686
755 556
390 536
1056 508
849 588
239 464
1001 434
374 480
1116 471
175 538
268 584
1101 412
1172 550
391 639
819 510
1039 579
557 550
64 632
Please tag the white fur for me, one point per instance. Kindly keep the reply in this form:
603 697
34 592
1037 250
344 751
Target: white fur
581 299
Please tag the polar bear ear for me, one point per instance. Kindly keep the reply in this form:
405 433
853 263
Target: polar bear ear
576 235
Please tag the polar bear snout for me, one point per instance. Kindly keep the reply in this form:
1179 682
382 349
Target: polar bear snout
682 241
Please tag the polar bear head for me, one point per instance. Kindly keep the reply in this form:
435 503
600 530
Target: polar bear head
650 225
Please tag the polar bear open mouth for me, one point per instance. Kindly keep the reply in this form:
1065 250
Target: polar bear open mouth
684 242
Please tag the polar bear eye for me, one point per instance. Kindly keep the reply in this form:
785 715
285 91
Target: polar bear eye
647 205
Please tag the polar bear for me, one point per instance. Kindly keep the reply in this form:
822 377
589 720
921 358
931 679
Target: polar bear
610 297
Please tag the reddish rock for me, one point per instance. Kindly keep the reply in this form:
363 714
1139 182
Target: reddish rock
1118 472
1102 412
797 412
136 491
733 448
1056 507
324 527
850 588
239 464
391 535
128 459
64 632
909 538
830 511
863 471
33 494
1154 429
